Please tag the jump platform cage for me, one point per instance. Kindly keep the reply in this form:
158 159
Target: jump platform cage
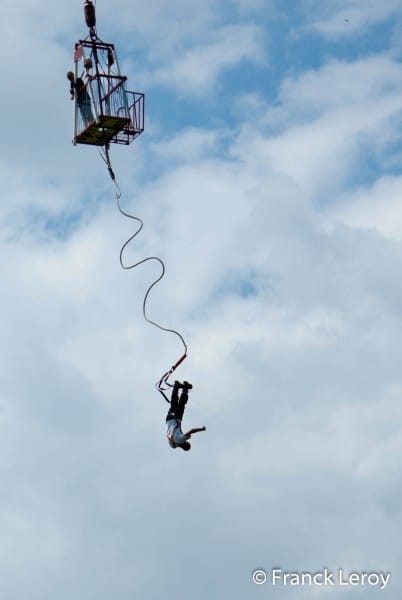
113 114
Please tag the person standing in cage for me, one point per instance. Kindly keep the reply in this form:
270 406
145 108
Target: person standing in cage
77 86
175 436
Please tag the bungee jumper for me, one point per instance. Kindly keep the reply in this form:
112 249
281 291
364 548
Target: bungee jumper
105 113
175 435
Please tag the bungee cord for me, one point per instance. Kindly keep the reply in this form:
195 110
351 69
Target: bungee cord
163 384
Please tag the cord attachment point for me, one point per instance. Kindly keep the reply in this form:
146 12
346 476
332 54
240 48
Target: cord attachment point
163 382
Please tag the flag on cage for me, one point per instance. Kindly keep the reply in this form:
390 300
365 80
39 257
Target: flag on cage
78 53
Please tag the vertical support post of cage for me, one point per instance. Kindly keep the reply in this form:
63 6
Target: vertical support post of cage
75 102
97 78
123 86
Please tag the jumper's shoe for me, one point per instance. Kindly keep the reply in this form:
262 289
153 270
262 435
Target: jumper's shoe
187 385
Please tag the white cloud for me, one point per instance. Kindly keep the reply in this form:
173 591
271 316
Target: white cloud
341 84
345 18
195 70
377 207
189 145
324 122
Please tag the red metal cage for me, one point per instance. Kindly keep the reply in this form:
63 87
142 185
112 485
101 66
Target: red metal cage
105 111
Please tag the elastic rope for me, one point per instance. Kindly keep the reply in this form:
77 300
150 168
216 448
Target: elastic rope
163 380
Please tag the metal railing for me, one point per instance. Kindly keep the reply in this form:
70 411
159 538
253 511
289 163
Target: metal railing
111 107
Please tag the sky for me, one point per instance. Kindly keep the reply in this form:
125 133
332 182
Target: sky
269 179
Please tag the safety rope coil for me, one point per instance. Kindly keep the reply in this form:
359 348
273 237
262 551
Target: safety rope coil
163 384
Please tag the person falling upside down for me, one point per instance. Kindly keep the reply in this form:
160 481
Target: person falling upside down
175 436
